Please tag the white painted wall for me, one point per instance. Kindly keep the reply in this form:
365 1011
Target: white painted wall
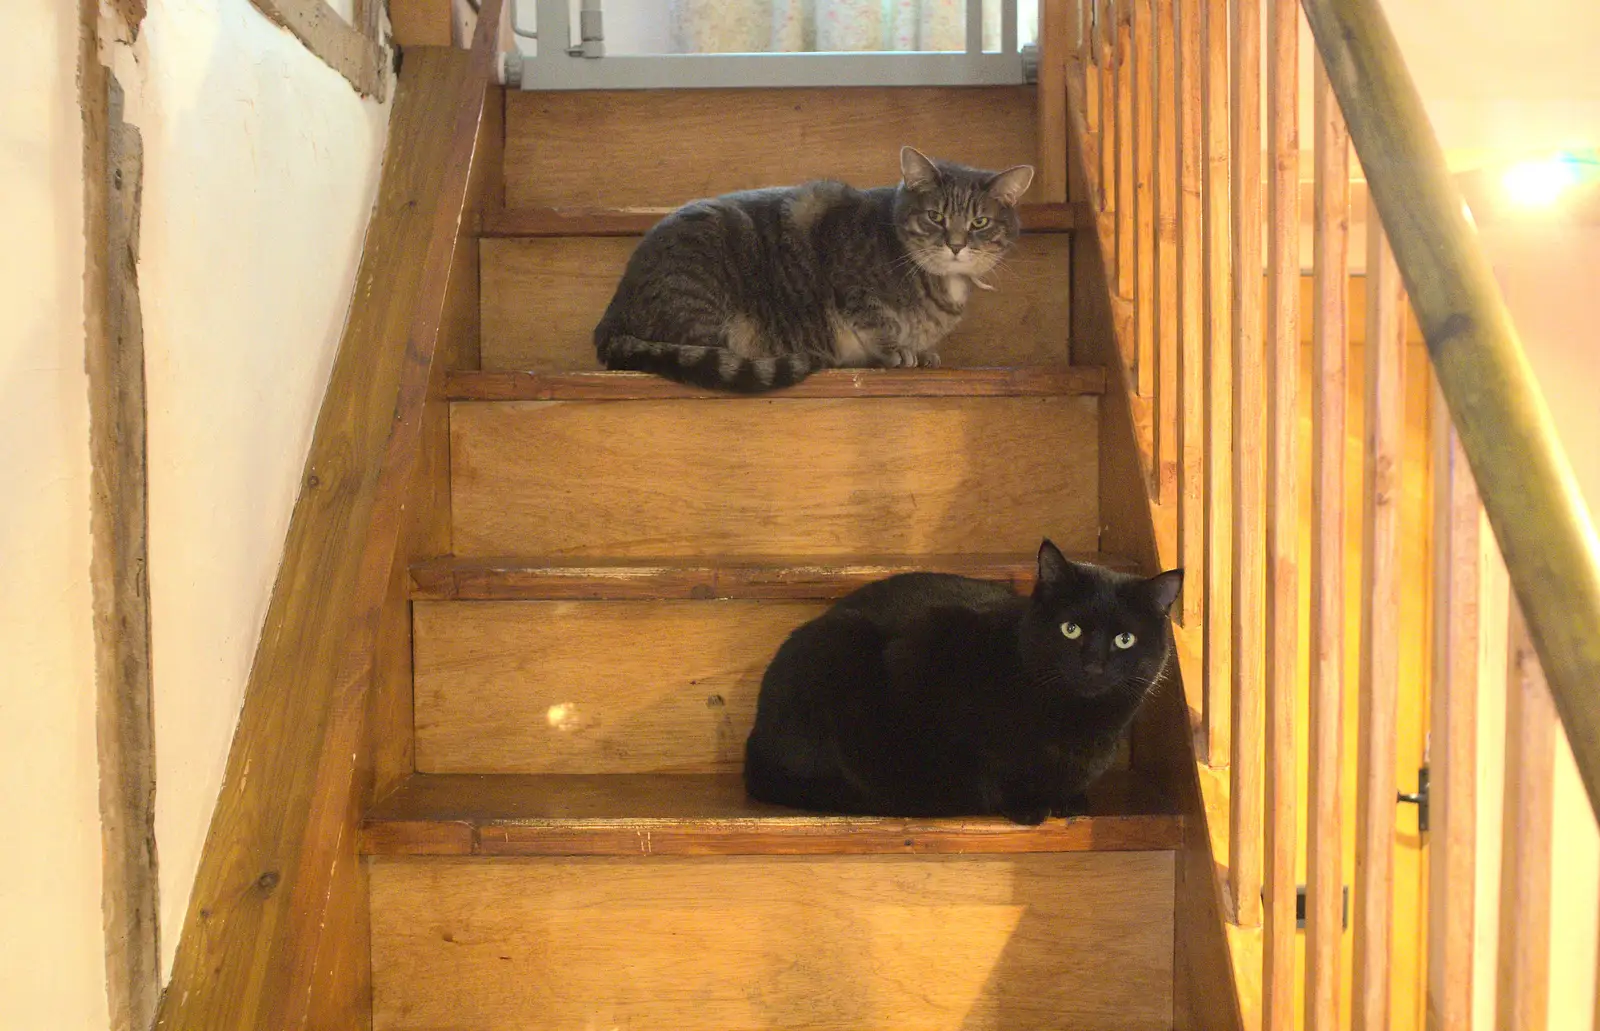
261 168
1548 273
52 967
1502 83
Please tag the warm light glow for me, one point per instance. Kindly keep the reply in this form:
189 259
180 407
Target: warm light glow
1539 184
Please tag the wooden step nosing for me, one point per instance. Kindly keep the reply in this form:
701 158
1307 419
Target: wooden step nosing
1022 381
781 836
507 815
561 222
509 579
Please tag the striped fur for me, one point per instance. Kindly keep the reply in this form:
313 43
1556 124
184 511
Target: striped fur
754 291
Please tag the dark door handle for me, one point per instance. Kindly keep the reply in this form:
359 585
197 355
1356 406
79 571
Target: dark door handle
1420 799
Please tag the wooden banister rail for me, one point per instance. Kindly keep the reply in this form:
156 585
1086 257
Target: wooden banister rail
1545 532
275 937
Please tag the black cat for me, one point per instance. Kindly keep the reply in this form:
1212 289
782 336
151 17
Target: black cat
927 694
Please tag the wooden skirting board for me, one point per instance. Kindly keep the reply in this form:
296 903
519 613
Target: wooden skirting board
275 938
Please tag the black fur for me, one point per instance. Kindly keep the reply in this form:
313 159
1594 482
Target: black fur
935 695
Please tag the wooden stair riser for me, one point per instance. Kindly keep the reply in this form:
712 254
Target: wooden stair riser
850 943
592 687
818 478
542 297
661 148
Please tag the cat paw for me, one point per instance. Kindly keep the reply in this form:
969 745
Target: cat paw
900 358
1028 816
931 360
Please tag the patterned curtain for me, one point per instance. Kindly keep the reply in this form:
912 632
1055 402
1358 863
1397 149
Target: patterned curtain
791 26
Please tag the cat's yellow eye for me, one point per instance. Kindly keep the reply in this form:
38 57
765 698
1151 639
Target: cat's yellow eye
981 222
935 217
1071 631
1124 641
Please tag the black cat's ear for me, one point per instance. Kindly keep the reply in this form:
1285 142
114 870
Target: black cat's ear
1164 587
918 172
1008 187
1054 569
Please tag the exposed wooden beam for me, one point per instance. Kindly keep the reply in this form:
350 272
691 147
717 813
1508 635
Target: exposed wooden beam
119 525
352 51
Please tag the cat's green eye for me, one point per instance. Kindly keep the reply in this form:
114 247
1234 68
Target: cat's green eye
981 222
937 218
1071 631
1124 641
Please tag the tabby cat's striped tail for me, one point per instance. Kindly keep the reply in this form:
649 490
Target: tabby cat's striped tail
715 368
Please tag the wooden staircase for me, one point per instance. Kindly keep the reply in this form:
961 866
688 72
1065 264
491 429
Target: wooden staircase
487 771
487 774
574 848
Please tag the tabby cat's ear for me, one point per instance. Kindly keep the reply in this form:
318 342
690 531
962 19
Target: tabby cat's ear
1164 587
917 171
1054 569
1008 187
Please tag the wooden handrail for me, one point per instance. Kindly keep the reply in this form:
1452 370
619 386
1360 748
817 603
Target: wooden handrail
275 937
1527 484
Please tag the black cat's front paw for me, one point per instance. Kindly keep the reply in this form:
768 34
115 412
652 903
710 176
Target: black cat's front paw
1028 816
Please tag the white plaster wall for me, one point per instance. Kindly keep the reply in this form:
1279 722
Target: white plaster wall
1547 273
1494 78
52 967
261 168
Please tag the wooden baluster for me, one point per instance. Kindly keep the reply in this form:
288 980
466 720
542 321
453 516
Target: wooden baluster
1249 467
1085 99
1380 630
1055 43
1144 250
1088 69
1218 634
1283 523
1106 35
1124 172
1595 1023
1453 732
1330 347
1527 838
1167 188
1191 329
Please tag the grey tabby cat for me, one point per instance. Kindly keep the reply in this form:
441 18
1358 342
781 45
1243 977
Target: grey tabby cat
756 290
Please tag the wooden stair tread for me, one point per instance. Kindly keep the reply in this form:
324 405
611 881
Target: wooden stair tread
1019 381
641 815
516 222
491 579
